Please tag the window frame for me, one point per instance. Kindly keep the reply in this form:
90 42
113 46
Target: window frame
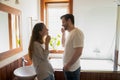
43 6
43 12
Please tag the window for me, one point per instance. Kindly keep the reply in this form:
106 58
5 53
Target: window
51 13
54 11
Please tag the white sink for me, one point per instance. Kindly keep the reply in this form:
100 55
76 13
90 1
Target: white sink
25 73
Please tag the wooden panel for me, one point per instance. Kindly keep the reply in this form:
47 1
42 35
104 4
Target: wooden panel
6 73
12 65
29 62
3 73
59 75
91 75
56 0
0 74
8 70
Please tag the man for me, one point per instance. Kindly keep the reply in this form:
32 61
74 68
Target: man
73 48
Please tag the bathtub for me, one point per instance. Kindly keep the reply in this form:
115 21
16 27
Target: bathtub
86 64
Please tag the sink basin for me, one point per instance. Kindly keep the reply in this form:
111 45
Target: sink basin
25 73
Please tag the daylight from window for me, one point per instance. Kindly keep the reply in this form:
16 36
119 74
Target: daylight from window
54 11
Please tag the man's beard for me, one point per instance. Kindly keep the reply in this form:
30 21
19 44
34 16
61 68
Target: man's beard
65 28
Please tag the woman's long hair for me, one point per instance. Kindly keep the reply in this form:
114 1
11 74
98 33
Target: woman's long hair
35 37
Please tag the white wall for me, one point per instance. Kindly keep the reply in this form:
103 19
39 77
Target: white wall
118 24
97 19
29 8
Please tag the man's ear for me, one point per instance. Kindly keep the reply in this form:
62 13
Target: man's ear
69 20
40 32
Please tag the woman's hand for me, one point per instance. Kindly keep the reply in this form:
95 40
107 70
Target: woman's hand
47 40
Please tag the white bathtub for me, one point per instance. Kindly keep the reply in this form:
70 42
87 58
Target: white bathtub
86 64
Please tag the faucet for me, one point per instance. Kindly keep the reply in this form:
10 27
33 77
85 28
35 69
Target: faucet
24 61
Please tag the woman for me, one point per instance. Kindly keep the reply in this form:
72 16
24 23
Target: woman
39 50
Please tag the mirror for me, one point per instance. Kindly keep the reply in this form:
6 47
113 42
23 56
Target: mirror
10 32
